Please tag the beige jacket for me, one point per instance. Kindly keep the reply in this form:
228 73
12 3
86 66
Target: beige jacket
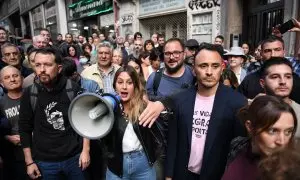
92 72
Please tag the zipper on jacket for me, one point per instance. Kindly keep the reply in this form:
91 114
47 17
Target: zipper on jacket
143 144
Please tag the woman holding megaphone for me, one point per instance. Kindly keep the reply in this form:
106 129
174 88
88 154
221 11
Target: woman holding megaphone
131 147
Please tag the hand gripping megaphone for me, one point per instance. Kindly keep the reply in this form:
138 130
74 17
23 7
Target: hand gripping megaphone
92 115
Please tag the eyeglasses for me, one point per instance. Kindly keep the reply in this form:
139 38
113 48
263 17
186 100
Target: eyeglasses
175 54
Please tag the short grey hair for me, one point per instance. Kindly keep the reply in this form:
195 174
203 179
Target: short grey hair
104 44
8 67
8 45
35 38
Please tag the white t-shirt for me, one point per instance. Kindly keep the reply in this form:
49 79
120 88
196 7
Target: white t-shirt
130 141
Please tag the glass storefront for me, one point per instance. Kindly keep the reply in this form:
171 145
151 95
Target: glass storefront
84 17
37 19
50 17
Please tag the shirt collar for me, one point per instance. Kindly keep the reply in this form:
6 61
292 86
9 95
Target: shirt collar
110 70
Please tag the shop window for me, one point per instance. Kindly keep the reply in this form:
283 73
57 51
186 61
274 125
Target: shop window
50 12
127 29
174 25
272 1
202 27
37 19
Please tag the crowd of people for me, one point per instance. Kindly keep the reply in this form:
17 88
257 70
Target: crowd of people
187 110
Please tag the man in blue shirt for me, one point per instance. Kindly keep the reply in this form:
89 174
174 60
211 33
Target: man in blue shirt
175 76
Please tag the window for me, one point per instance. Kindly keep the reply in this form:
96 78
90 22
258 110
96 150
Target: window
37 19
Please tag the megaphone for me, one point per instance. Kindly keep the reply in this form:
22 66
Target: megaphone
92 115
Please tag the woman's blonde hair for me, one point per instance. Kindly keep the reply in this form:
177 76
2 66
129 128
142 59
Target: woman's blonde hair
136 104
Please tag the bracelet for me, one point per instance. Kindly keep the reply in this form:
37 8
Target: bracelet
30 164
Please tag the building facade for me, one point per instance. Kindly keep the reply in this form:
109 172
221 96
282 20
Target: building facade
87 17
236 20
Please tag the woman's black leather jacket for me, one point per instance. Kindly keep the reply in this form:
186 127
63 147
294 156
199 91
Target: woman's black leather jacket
151 140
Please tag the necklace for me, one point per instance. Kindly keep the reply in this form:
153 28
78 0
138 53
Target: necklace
125 116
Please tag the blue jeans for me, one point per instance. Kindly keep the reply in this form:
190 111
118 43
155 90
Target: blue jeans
135 167
55 170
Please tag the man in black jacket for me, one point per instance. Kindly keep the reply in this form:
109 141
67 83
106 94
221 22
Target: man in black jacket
44 124
250 87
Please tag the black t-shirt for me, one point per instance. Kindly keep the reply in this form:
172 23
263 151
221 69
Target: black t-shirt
250 86
53 137
9 108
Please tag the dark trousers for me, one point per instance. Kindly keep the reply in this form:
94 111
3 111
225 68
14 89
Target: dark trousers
97 168
54 170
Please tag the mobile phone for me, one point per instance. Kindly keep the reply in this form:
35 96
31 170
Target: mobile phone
286 26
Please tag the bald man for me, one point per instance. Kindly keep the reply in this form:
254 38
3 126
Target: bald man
11 79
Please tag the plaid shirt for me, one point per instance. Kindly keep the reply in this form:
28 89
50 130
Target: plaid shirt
108 79
255 66
295 64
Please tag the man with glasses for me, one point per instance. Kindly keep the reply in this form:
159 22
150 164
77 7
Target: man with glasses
175 77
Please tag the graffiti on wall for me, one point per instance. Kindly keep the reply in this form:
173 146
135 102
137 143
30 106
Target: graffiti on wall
203 4
127 19
218 23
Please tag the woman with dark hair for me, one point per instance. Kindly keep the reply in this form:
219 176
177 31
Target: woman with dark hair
281 165
228 78
148 45
146 64
86 55
271 124
249 58
132 146
74 54
154 61
137 65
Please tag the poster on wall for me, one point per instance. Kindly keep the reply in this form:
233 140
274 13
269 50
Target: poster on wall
89 8
156 6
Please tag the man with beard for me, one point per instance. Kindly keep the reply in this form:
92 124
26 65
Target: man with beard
160 47
59 40
277 80
175 76
65 45
137 50
191 49
81 41
120 47
271 47
51 147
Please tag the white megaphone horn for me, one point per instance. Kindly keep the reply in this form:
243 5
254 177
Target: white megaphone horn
92 115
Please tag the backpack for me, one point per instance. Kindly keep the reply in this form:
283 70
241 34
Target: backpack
156 81
157 78
34 93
